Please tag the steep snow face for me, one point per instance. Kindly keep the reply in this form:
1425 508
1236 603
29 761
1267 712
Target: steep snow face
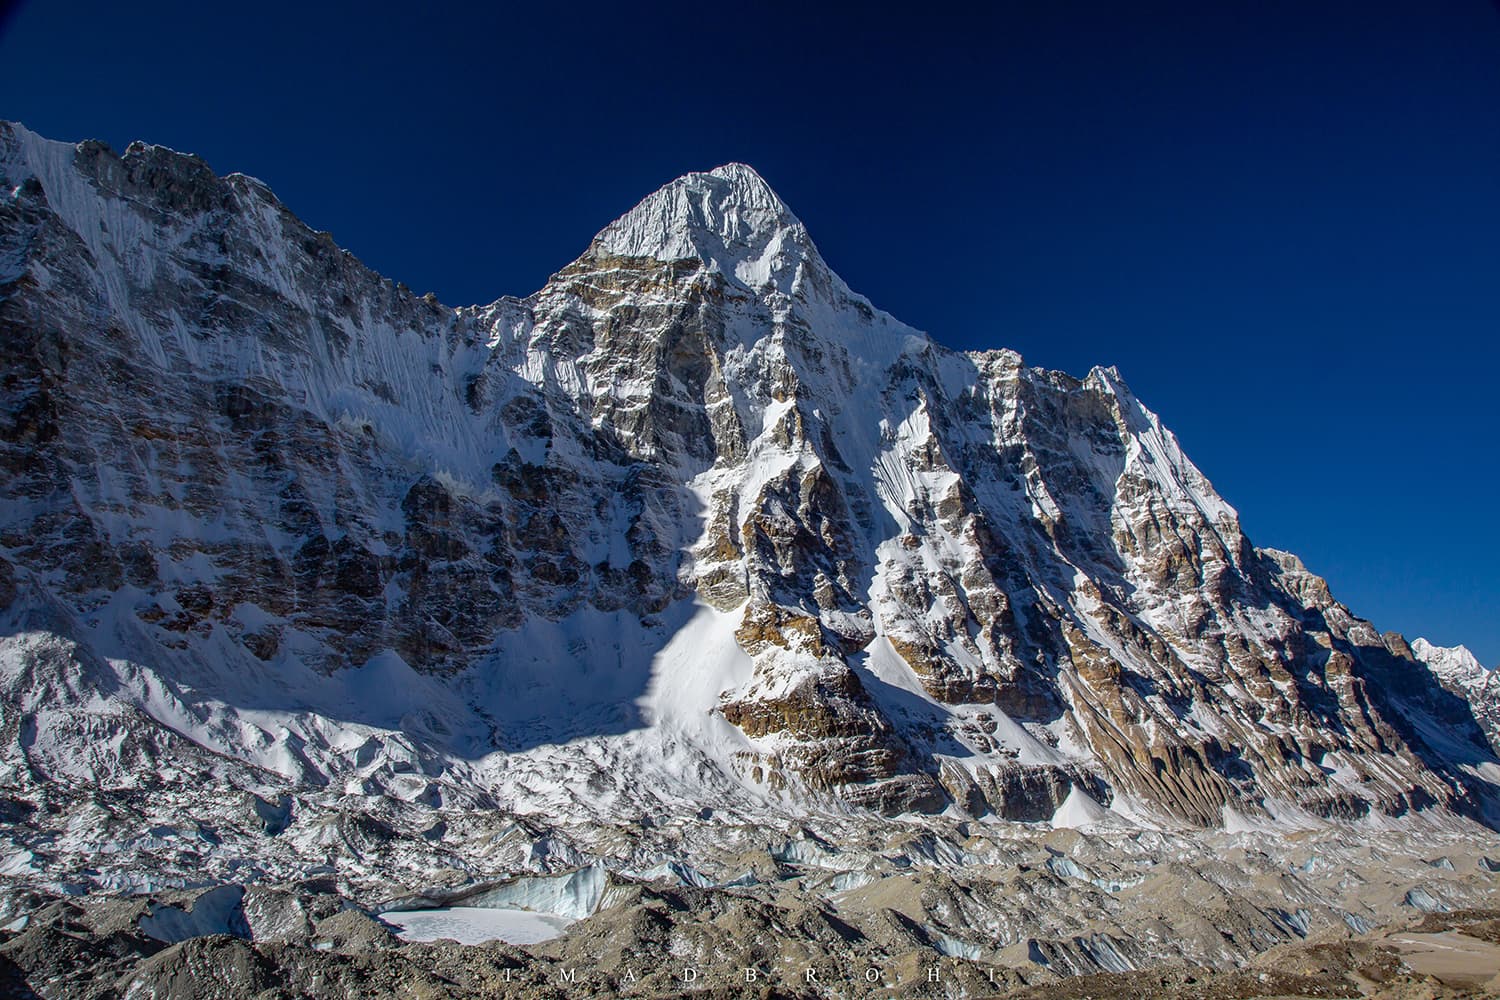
692 527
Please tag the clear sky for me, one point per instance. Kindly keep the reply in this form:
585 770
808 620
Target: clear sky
1279 218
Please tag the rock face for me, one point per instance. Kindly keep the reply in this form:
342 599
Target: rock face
693 523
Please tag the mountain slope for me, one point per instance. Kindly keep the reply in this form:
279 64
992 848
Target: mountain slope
695 526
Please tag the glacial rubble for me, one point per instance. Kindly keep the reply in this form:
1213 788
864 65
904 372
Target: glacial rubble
1035 913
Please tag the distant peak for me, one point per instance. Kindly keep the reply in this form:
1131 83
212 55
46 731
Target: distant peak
1448 661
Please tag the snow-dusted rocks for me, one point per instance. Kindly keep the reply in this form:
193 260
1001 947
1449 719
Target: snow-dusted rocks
693 527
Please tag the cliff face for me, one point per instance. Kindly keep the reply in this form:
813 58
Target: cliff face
694 524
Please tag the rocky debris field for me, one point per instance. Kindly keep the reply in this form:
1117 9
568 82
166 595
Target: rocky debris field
898 911
98 951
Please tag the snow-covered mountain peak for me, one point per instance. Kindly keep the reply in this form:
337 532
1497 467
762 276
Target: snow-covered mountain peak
1460 671
693 524
1452 662
729 218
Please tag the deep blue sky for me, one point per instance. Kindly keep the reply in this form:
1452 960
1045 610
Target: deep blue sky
1281 220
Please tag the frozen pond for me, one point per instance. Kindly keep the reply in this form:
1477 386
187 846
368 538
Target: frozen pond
476 924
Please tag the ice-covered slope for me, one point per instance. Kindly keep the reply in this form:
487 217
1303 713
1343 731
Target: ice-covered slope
694 527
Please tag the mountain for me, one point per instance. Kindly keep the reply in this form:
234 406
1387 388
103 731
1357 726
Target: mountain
1460 672
693 530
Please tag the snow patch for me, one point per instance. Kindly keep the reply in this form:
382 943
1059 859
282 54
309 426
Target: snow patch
1079 811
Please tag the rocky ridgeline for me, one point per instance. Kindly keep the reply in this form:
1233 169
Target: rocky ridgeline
260 497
